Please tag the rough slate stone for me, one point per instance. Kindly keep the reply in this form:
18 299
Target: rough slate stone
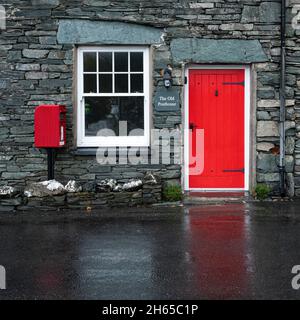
103 32
269 12
267 163
267 129
212 51
250 14
49 3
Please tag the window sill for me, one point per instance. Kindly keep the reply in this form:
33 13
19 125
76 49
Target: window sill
84 151
91 151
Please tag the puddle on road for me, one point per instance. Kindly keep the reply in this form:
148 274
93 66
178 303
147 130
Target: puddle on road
208 252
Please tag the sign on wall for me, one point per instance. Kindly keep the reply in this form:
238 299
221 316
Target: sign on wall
166 99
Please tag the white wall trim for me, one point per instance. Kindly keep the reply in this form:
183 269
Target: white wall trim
246 127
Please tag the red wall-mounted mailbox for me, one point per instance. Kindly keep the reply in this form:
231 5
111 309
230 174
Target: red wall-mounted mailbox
50 126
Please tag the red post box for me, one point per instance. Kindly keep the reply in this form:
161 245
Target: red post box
50 131
50 126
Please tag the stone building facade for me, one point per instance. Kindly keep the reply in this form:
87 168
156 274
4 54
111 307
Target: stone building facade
39 65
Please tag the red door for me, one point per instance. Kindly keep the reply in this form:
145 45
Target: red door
216 105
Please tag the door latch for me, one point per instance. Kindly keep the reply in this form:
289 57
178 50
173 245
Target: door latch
192 126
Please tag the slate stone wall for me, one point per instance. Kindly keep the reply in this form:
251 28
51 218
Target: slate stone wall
36 67
148 194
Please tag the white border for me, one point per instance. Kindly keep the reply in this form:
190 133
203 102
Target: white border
247 125
128 141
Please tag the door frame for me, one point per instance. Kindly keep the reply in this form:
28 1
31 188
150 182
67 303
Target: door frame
247 103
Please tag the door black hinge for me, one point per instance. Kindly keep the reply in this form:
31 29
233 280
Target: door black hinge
234 170
242 83
185 80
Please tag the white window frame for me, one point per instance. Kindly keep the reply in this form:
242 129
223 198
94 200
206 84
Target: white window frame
113 141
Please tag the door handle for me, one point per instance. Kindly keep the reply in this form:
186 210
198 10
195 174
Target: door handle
192 126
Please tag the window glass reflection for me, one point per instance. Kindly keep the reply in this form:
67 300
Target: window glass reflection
107 112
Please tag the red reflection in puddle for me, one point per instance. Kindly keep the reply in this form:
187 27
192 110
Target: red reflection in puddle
218 248
49 281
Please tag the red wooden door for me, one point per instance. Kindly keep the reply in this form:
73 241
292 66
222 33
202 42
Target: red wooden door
216 105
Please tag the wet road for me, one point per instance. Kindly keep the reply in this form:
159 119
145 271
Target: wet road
234 251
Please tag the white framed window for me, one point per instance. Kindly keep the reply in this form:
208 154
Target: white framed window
113 96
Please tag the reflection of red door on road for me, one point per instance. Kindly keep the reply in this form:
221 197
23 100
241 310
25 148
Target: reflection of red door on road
219 251
216 104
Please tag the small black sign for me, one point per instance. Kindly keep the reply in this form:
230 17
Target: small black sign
166 99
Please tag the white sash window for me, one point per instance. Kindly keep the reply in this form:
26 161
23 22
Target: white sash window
113 96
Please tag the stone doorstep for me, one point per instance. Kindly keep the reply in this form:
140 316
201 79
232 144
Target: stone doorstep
191 198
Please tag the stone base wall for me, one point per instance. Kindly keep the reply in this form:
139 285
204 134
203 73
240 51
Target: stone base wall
149 194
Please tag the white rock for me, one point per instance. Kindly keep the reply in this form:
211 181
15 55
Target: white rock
72 186
52 185
117 188
150 178
132 185
106 185
44 188
27 194
6 190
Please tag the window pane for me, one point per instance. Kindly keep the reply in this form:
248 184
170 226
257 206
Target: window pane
105 61
90 83
89 61
136 83
136 62
107 112
121 83
121 61
105 83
